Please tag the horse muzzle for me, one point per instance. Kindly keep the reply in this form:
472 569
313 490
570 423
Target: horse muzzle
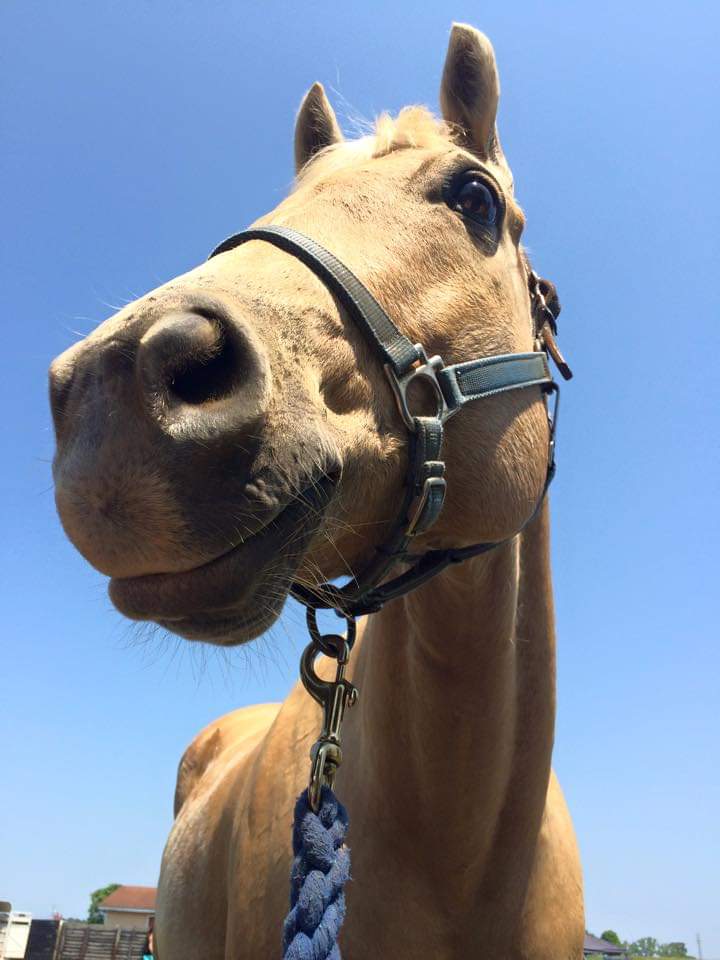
160 418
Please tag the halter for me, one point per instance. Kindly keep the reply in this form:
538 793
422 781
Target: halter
452 387
320 822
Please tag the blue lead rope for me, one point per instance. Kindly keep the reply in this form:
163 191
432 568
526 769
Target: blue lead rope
319 872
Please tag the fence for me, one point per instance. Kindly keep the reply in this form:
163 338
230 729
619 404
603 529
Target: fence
42 940
94 942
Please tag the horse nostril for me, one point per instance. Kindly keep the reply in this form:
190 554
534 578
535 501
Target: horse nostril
206 376
190 359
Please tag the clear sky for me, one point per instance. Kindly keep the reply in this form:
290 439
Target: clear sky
136 135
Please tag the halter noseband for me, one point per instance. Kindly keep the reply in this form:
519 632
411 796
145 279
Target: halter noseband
452 386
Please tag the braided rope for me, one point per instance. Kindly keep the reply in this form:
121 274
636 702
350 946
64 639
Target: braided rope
319 872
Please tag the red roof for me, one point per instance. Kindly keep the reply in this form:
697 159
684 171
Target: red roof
130 898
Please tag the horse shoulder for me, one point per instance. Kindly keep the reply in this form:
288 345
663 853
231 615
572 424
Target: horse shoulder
235 733
191 909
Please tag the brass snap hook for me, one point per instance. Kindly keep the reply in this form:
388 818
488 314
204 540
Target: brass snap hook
334 696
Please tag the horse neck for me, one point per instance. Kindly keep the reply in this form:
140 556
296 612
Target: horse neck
448 751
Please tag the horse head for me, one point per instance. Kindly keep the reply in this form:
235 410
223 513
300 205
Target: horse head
231 432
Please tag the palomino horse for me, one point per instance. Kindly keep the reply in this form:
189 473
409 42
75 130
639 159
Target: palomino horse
189 428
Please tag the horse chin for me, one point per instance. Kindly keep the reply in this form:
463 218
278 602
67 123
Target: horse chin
228 630
237 596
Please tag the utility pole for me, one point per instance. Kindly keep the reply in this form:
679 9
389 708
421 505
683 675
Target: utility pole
699 943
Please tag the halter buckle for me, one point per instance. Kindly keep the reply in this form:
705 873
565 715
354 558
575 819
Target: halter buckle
427 369
419 522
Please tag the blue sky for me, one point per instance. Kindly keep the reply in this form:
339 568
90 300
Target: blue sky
137 135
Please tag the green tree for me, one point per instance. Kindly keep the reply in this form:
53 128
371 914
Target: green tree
645 947
96 897
610 936
674 949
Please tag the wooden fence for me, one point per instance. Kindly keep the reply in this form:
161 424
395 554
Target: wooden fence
94 942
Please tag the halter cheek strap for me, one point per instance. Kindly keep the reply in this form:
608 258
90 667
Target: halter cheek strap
452 386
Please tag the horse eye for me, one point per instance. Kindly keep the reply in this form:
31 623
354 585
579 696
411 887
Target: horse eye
475 200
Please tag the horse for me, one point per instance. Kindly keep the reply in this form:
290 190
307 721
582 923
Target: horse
230 433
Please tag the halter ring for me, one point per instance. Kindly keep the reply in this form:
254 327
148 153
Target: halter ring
427 371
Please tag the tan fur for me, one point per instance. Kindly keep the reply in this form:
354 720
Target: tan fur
414 127
461 842
235 732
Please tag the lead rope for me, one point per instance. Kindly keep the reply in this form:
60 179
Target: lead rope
321 864
320 869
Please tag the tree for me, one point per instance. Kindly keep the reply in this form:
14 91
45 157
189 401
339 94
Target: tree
674 949
96 897
645 947
611 937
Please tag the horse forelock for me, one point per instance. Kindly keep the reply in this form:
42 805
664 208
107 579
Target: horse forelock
414 127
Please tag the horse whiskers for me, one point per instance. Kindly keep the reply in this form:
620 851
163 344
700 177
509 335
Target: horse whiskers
348 569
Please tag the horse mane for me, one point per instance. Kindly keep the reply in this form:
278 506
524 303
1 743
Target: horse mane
413 127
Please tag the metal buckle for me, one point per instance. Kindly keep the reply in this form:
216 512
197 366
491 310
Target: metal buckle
539 303
422 503
428 370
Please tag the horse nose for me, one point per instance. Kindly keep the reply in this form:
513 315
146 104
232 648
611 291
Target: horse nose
152 411
192 372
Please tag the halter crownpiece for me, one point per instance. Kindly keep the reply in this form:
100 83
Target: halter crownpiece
452 387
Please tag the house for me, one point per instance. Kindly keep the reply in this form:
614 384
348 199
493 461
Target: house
595 948
129 908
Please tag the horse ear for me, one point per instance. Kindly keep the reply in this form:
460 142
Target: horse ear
316 126
470 91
